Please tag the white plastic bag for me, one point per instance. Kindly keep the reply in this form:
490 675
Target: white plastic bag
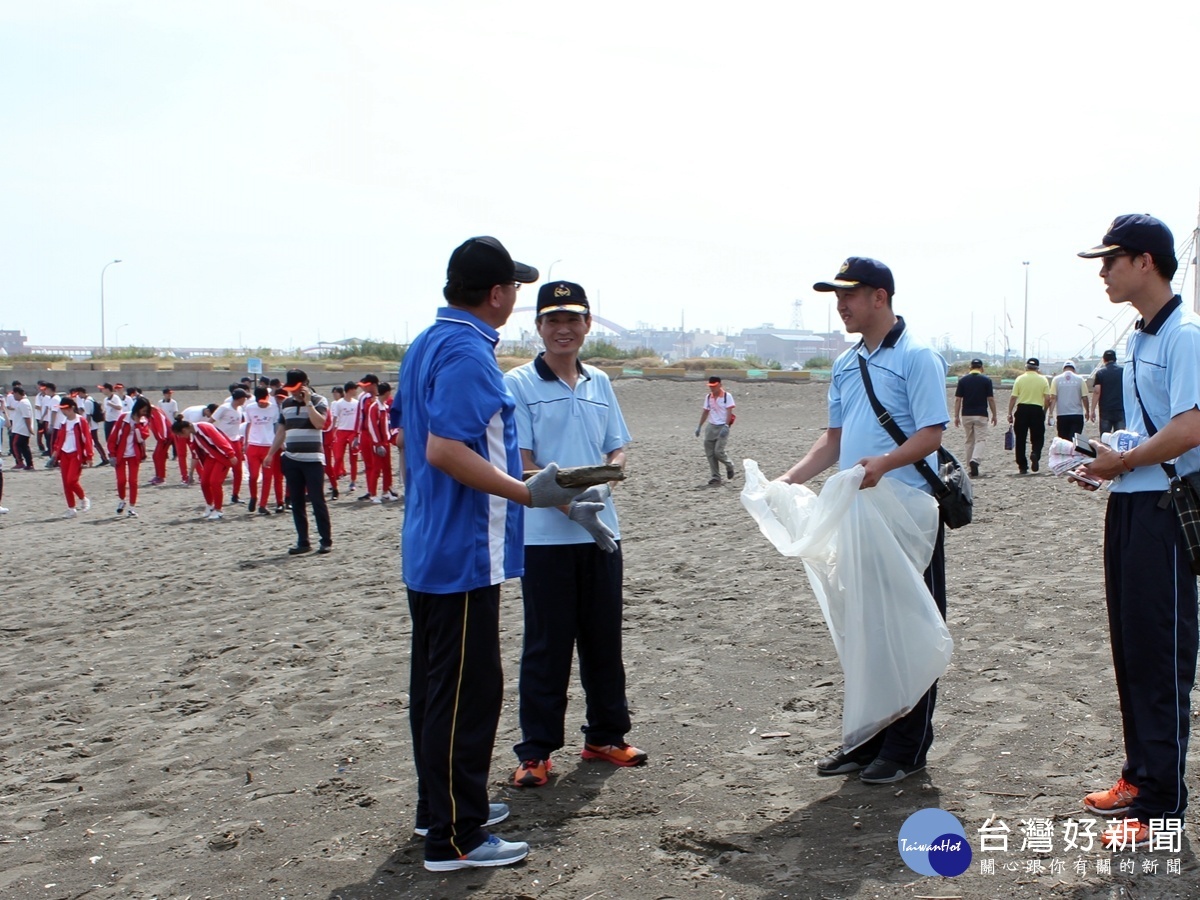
865 552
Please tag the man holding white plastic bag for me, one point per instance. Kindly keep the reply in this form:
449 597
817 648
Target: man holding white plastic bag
909 378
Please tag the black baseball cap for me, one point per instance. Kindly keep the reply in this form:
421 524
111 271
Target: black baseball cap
481 262
294 379
1110 356
562 296
1134 233
1032 363
977 364
860 270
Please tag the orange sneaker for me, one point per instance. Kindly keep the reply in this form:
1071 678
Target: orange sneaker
532 773
1110 803
617 754
1126 834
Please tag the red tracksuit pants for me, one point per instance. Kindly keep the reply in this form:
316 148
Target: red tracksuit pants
254 459
127 476
160 459
212 480
69 467
341 443
181 454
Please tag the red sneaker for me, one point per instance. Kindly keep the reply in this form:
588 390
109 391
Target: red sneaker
617 754
1110 803
532 773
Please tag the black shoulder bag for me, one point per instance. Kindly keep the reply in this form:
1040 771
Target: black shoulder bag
951 485
1182 492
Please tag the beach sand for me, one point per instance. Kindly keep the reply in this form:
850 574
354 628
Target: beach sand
190 713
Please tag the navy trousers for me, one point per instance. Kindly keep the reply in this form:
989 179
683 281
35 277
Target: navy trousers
573 601
908 740
1151 594
455 690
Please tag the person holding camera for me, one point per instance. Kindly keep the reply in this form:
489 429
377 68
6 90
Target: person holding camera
299 436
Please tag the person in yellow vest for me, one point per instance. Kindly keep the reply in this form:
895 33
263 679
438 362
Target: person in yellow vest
1027 414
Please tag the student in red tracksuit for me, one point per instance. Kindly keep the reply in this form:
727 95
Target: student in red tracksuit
73 449
328 436
262 418
366 442
160 427
127 449
216 455
345 414
387 439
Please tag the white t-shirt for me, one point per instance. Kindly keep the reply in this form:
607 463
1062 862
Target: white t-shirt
229 420
260 423
21 417
169 407
113 407
344 412
194 414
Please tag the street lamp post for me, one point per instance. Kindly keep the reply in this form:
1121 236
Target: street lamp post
550 271
103 345
1025 329
117 339
1093 334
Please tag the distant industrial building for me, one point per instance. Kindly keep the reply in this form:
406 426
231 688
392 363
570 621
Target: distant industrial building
13 343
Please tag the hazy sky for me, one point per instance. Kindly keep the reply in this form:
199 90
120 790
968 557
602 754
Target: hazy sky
272 172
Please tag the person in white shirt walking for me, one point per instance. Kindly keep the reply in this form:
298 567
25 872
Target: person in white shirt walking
716 419
72 450
23 428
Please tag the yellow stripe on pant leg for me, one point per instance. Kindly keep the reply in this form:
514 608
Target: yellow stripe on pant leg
462 657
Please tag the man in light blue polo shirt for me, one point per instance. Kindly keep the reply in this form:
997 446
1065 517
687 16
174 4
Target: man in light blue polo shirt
572 586
1149 586
462 537
909 379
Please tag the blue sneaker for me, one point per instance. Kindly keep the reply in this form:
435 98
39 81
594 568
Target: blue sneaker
492 852
497 813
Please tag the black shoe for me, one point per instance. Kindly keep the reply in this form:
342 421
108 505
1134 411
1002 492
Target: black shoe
325 548
279 508
263 511
103 462
884 771
1022 471
234 499
729 473
974 469
1033 464
252 505
299 548
716 479
843 763
333 495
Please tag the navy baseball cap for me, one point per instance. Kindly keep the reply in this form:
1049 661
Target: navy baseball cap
1134 233
562 296
481 262
860 270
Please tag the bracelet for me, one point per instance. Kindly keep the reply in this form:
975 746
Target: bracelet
1125 463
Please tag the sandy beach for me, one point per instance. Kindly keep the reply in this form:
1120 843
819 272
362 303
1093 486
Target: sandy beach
190 713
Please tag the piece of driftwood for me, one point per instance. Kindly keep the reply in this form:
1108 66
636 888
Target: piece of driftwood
583 476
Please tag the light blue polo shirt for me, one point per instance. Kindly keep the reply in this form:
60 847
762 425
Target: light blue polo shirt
577 427
456 538
909 378
1164 362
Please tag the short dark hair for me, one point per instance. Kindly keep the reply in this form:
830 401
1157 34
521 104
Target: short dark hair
457 294
236 386
1166 263
180 424
261 393
140 405
349 385
339 391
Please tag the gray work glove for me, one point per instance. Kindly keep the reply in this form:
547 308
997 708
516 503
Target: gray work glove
545 492
697 431
585 510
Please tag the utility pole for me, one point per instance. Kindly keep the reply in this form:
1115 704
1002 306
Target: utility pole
1025 330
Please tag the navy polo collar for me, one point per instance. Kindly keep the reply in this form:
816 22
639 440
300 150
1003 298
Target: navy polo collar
1161 317
889 339
546 374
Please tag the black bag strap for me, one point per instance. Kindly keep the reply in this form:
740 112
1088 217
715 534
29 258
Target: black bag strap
889 425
